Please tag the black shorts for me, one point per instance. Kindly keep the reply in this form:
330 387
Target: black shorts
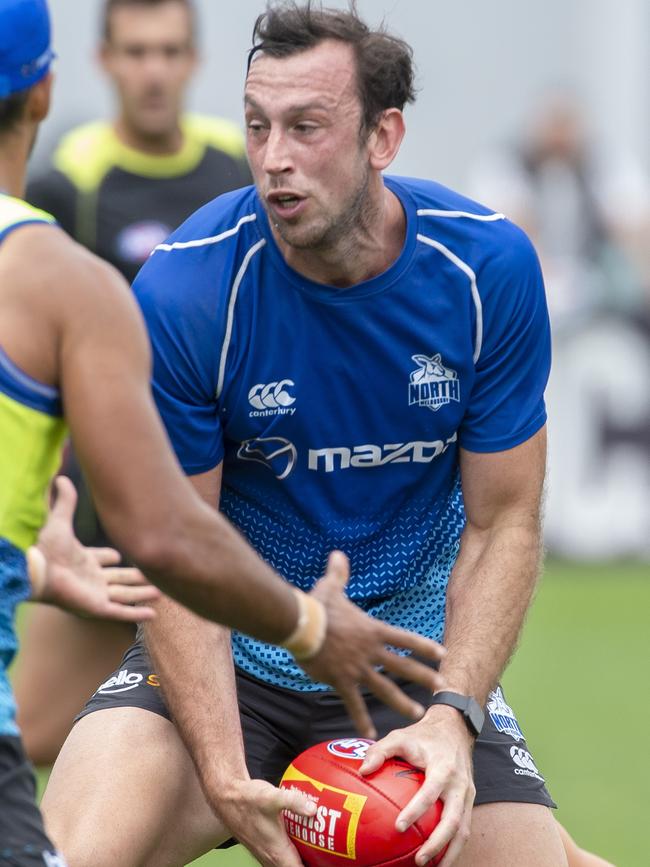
23 841
278 723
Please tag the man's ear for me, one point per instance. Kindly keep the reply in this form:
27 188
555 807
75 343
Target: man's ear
38 102
385 139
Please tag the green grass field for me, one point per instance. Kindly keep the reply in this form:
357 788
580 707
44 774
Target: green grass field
580 685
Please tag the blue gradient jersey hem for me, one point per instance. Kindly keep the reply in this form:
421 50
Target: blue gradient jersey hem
418 605
14 588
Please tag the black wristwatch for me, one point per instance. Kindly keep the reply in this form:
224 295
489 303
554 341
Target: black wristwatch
468 706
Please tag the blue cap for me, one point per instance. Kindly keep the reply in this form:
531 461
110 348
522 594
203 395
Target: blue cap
25 53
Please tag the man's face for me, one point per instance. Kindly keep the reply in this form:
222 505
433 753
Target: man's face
150 57
303 120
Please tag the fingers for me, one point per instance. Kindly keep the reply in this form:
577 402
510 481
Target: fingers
125 613
356 707
105 556
410 669
389 693
295 801
423 800
66 499
453 829
426 647
375 758
338 568
125 594
125 575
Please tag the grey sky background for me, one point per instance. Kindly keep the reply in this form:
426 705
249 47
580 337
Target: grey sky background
482 67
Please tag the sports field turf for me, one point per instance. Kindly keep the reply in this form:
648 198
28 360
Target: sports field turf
580 684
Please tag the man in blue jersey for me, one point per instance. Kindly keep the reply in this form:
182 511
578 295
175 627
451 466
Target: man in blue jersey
72 343
341 358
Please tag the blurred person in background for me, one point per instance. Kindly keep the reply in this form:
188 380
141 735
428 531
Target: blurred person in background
588 218
586 210
120 187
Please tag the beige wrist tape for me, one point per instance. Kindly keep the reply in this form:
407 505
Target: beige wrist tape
37 571
307 638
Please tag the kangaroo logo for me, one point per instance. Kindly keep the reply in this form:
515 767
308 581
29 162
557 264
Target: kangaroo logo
433 385
503 716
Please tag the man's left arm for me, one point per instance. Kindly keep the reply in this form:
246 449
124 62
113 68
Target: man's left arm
490 589
494 578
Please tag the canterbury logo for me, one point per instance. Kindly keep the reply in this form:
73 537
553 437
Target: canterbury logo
273 396
524 761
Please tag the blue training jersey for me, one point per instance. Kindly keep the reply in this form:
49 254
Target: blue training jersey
338 413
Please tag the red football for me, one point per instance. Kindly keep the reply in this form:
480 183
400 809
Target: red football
355 820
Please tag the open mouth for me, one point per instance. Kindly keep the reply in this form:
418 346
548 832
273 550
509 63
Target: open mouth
285 204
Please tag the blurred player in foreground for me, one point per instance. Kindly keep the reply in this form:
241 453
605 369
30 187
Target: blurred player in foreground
348 358
119 188
72 341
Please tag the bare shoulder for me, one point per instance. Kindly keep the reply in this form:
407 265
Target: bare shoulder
44 263
59 301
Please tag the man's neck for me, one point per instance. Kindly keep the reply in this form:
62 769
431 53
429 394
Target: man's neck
162 144
361 255
13 164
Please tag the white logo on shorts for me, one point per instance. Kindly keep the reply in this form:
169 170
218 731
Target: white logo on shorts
121 682
54 860
502 715
525 765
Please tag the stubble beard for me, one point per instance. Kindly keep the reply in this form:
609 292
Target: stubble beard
331 232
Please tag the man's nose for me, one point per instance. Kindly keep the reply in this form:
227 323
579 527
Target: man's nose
277 157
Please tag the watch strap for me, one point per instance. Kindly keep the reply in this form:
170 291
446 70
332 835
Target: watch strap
471 710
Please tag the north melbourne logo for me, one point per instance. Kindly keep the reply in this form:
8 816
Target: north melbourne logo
433 385
271 398
502 715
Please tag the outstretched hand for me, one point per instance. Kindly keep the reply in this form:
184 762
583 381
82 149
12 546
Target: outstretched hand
84 580
357 645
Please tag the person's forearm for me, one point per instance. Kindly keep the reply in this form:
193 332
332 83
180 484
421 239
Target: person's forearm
192 659
489 592
207 565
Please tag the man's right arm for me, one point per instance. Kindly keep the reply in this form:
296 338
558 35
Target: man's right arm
74 323
70 320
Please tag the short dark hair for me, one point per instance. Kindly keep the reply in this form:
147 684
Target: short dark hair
111 5
385 70
12 108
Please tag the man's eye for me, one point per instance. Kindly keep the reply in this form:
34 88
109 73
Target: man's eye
135 52
255 129
172 52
